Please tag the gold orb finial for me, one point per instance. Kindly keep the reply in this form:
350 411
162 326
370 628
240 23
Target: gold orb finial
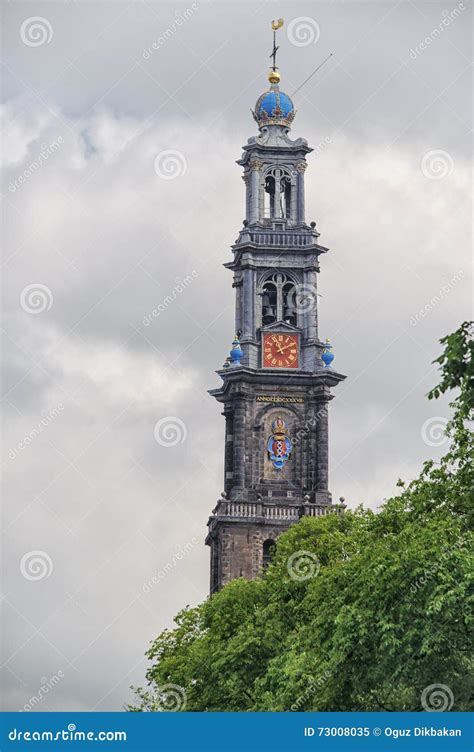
273 76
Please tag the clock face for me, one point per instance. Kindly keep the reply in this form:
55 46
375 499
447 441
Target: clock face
280 350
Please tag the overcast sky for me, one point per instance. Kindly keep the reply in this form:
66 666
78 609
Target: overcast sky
101 227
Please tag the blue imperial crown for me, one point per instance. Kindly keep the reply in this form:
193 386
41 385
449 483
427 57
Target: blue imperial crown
274 107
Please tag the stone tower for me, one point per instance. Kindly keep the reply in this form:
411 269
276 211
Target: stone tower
276 384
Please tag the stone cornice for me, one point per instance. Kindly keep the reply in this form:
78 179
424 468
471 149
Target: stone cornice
243 380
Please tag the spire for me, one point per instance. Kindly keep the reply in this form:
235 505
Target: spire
274 107
274 75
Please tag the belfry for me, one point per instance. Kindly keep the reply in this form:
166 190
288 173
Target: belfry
277 381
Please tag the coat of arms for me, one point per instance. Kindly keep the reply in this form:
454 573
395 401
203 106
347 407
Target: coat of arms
279 445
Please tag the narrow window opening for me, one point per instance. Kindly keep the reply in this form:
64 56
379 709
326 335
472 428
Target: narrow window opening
269 303
269 202
285 197
269 547
289 303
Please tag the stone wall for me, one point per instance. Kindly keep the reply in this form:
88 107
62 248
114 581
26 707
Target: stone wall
240 550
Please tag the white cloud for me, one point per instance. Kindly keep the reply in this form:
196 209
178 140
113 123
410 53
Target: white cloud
22 127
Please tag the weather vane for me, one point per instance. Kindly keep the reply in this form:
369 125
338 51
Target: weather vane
274 75
275 26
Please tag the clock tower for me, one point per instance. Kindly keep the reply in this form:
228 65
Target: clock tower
277 381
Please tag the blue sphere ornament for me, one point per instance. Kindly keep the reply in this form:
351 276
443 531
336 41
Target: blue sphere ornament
274 107
327 357
236 352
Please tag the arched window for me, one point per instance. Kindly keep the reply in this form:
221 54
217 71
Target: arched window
289 303
269 547
277 193
269 303
278 296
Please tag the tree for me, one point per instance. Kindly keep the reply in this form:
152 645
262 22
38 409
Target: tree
361 612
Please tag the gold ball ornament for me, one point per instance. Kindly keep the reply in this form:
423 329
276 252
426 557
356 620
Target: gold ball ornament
274 76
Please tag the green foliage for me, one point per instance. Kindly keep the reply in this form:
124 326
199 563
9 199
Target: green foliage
385 613
457 364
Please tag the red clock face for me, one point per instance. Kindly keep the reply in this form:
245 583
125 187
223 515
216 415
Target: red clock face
280 350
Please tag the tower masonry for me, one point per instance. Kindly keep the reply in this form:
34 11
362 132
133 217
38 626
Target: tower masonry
276 384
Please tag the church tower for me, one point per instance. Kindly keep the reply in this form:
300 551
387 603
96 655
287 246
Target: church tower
276 384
